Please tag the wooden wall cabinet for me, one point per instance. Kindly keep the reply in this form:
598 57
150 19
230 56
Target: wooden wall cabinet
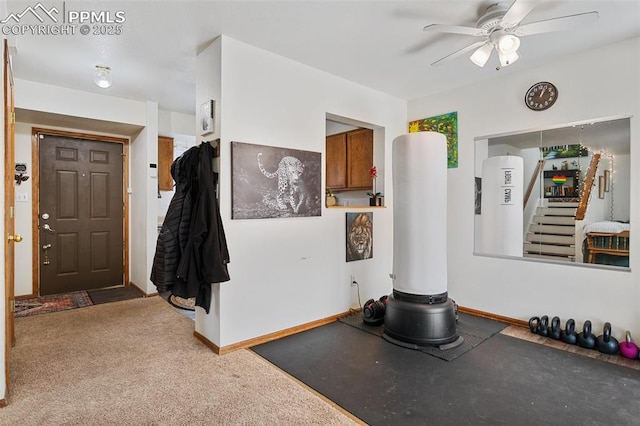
349 156
165 159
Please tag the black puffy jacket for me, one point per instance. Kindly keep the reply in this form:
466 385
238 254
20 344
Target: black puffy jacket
191 251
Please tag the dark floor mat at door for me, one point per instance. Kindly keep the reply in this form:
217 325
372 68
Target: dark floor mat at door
117 294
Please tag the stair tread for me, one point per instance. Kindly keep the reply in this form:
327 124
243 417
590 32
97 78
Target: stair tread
554 220
542 256
550 238
553 211
536 228
549 249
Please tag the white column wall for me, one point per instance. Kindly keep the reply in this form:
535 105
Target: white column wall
287 272
143 202
208 87
521 289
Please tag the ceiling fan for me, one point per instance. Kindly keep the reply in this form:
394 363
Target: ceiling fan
500 29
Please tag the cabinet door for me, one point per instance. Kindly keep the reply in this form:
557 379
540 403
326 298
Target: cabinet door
336 161
359 158
165 158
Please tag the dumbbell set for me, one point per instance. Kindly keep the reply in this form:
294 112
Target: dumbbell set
604 343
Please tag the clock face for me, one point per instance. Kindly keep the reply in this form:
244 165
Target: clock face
541 96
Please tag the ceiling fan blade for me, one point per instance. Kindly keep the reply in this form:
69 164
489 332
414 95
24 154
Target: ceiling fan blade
517 12
455 29
557 24
459 52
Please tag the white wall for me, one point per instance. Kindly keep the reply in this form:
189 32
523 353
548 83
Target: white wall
518 288
208 87
143 202
287 272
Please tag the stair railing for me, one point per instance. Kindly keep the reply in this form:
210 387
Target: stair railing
587 187
532 182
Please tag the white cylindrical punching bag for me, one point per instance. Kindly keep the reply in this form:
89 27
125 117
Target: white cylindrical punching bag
420 213
501 212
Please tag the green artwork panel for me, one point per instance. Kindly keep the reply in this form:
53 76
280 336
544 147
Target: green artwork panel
447 124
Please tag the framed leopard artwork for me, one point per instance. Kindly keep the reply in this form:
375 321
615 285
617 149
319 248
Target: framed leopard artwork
273 182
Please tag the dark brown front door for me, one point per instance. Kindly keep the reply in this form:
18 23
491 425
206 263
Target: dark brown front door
80 214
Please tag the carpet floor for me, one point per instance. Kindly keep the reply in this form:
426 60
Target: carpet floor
502 381
136 362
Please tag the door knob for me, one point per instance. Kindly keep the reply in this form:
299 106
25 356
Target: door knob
17 238
48 228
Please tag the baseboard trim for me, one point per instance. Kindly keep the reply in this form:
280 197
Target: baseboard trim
3 403
267 337
496 317
139 290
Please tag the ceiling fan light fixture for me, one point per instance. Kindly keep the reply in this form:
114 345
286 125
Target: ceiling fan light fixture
481 56
508 59
102 76
508 44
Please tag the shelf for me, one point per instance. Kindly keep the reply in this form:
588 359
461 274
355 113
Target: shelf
356 207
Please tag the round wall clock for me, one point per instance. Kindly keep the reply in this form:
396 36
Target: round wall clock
541 96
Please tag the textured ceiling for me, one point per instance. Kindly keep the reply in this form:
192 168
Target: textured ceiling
379 44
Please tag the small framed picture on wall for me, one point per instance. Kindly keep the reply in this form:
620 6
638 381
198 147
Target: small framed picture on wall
207 117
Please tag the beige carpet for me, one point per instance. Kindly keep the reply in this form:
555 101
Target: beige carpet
136 362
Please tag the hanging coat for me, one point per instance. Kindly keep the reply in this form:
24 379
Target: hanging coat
192 253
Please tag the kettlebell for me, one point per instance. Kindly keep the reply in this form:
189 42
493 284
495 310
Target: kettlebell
628 349
543 328
605 343
568 335
586 339
555 331
534 323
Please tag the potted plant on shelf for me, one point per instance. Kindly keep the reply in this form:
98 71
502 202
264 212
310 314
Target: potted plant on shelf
331 198
375 198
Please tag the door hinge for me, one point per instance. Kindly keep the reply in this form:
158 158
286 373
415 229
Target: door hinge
11 212
12 306
13 117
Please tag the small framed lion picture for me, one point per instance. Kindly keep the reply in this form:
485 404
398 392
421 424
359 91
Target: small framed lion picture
359 236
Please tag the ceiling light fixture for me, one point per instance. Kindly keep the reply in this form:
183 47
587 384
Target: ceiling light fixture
508 43
102 76
481 56
507 47
508 58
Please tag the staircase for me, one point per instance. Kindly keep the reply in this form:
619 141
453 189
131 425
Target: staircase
552 232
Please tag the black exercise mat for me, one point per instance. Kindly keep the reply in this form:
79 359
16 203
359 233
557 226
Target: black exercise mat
474 330
115 294
503 381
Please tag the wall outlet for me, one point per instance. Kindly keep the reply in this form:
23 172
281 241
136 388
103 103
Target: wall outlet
352 280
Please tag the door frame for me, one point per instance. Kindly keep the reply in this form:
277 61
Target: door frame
9 216
35 198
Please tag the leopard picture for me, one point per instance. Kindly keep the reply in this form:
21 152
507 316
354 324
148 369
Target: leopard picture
291 190
269 182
